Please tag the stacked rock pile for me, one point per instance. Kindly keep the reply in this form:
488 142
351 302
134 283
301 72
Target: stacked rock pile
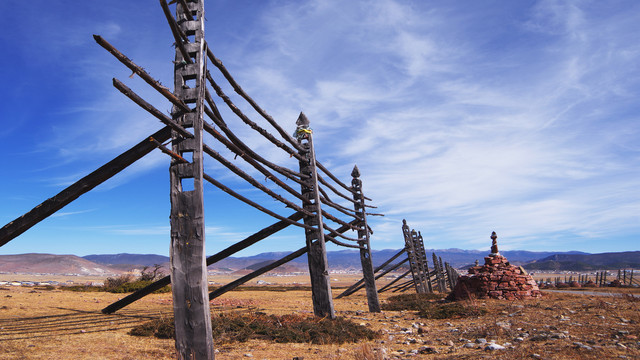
496 279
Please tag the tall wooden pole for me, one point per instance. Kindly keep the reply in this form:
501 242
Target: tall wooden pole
188 268
414 264
317 252
365 244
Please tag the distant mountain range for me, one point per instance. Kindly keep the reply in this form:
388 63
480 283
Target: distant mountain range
343 259
53 264
110 264
581 262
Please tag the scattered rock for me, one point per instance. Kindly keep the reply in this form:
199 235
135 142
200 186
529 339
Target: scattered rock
493 346
427 350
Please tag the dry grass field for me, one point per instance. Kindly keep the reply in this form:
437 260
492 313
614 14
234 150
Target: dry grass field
56 324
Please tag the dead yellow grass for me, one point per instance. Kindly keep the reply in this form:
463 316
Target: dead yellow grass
38 324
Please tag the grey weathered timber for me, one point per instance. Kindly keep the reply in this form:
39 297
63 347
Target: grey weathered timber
188 269
234 284
355 287
365 244
425 263
415 267
241 245
82 186
385 272
421 259
316 249
389 285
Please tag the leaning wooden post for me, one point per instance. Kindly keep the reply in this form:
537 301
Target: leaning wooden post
424 262
414 265
365 244
317 252
188 269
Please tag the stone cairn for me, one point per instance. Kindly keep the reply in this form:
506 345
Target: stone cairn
496 279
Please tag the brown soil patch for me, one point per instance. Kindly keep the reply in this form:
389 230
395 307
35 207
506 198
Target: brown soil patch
39 324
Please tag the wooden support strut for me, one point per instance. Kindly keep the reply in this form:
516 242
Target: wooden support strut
80 187
422 257
365 244
385 272
416 269
353 288
241 245
317 253
388 286
228 287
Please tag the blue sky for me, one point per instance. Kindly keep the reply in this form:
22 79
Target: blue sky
464 118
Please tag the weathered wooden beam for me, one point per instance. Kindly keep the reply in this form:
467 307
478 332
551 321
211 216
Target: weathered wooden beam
421 255
240 245
247 155
163 90
389 285
378 276
229 191
152 110
404 287
186 57
316 248
365 243
411 254
350 290
217 63
239 148
249 122
192 316
335 191
236 170
266 268
232 285
82 186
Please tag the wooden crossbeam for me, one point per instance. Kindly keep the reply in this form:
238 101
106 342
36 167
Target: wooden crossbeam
351 288
389 285
80 187
228 287
241 245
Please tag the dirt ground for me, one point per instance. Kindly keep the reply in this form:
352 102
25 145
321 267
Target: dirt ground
55 324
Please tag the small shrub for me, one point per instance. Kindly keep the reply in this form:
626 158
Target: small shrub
114 282
135 286
126 284
449 311
45 287
235 327
409 301
82 288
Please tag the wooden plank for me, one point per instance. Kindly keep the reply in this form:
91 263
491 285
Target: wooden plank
232 285
350 290
80 187
384 288
390 269
241 245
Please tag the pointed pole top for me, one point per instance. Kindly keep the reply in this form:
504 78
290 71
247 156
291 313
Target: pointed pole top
302 120
494 244
355 172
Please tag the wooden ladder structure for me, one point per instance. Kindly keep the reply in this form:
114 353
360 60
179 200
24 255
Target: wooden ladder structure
193 106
